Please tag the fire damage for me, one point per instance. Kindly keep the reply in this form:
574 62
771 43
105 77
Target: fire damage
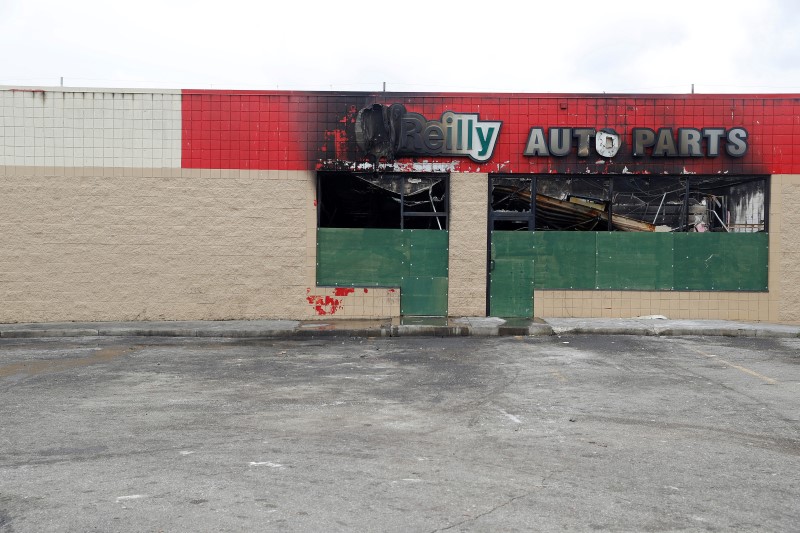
630 203
643 203
382 200
386 132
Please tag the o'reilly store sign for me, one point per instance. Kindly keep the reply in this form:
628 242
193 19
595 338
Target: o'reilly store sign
392 131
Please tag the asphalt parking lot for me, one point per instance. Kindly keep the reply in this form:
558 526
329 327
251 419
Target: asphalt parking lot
585 432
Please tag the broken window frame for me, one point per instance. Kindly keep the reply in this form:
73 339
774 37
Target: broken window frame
589 195
717 202
523 217
407 214
665 193
685 191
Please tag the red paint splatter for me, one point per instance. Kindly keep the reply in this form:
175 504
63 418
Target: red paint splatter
343 291
324 305
366 291
391 290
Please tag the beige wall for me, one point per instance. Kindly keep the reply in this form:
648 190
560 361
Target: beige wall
672 304
130 244
95 244
784 256
469 199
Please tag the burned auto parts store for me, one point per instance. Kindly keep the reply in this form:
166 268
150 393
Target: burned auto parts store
232 204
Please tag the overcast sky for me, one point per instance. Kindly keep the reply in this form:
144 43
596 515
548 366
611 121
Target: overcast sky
501 46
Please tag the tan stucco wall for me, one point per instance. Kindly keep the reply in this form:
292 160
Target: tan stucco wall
100 244
672 304
168 244
469 199
784 257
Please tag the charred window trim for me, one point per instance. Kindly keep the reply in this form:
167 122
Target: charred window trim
528 216
392 188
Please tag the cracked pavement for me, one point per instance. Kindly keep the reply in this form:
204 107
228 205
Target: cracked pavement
618 433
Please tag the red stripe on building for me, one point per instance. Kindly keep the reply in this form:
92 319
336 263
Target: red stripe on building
304 131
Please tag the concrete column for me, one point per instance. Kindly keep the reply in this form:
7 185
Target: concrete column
468 226
784 264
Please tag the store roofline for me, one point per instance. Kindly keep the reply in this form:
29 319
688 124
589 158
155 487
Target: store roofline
409 94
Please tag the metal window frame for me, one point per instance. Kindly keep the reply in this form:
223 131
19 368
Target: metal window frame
422 214
322 175
530 216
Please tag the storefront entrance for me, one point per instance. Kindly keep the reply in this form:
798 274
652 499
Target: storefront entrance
511 268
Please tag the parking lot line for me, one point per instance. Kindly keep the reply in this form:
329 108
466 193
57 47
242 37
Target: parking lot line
753 373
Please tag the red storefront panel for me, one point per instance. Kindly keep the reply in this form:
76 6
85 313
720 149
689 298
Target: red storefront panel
304 131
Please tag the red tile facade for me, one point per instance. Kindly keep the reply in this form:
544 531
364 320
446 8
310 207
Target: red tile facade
306 131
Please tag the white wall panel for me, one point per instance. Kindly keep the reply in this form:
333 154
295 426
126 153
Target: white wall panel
90 128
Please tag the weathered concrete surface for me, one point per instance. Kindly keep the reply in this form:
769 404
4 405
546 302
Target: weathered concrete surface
408 326
219 328
638 326
577 432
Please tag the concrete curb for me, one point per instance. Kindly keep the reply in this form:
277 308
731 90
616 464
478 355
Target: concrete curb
37 333
233 329
604 330
540 330
645 327
730 332
417 330
460 327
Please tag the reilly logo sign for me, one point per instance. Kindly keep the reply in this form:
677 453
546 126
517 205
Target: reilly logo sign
392 131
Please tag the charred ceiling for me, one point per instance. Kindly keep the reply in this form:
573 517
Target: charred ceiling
630 203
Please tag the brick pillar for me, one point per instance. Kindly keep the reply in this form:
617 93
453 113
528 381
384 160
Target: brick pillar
784 248
466 295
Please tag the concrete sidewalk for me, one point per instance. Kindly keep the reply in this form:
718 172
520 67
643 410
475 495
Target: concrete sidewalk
409 326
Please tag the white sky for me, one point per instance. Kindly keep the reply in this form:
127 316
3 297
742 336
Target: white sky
504 46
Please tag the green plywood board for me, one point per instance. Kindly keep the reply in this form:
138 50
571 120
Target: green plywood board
512 274
370 257
414 260
423 296
427 253
512 288
565 259
636 261
619 261
512 243
721 261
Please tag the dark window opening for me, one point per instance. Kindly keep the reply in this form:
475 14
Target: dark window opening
382 200
629 203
